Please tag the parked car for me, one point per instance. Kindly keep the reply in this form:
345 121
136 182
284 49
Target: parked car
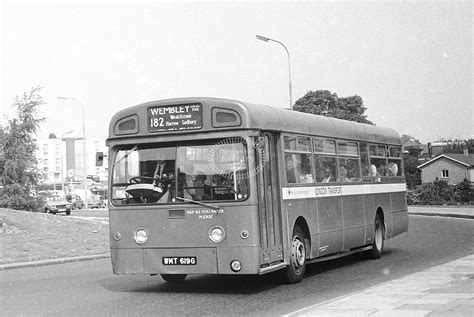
96 201
76 202
55 204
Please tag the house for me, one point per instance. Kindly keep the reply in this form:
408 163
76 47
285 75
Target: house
453 168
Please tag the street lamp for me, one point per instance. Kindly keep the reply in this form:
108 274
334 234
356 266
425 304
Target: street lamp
266 39
83 143
62 160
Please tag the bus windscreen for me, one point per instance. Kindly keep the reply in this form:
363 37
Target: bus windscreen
215 170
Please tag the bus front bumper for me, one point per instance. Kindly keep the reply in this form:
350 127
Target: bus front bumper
185 260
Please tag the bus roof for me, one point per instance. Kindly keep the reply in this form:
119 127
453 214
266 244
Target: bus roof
133 121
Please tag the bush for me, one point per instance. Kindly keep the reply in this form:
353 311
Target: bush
413 197
441 193
463 192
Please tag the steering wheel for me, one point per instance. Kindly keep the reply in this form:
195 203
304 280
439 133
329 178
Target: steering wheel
137 179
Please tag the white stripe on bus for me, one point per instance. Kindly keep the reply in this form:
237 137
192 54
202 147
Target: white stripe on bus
340 190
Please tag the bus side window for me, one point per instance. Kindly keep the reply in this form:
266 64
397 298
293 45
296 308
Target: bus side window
380 167
298 168
325 169
290 168
364 159
349 170
393 168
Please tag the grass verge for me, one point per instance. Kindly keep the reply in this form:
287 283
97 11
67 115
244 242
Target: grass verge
27 236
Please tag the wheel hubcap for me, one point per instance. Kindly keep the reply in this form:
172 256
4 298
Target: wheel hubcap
298 253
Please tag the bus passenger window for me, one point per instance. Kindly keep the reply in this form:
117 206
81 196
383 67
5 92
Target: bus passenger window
325 169
379 167
298 168
364 159
290 169
343 175
290 142
393 168
349 170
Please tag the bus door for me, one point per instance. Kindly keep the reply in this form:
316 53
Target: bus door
269 201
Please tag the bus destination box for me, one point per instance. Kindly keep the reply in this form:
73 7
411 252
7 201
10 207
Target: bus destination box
175 117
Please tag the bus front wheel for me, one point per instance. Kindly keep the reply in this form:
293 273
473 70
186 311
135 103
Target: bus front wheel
173 278
378 242
294 272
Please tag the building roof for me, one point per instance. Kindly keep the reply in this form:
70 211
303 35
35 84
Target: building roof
463 159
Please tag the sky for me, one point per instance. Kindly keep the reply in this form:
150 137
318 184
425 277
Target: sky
410 61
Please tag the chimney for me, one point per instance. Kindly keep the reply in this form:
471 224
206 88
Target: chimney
466 152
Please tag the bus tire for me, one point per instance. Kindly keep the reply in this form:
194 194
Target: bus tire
173 278
294 272
378 242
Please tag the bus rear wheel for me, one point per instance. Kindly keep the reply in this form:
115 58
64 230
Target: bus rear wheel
294 272
378 242
173 278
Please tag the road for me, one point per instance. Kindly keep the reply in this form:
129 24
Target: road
90 288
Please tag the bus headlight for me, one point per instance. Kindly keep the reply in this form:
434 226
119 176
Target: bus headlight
236 266
216 234
141 236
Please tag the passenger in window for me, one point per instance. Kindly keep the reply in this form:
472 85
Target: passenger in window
182 185
343 175
373 171
304 169
393 169
382 170
200 188
290 169
328 176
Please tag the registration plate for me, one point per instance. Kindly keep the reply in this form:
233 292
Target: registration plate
179 260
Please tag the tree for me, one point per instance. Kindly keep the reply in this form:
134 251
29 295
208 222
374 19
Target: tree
458 146
325 103
18 165
412 173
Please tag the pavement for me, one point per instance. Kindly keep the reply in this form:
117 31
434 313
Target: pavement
442 211
444 290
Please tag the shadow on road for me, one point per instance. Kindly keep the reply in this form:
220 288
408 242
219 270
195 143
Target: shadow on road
223 284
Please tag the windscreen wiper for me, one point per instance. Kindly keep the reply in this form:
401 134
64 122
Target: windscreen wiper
126 154
198 202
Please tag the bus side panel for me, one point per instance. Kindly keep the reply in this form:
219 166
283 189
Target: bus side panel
353 215
307 209
382 200
369 218
399 213
330 225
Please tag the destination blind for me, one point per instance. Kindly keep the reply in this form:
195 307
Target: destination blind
175 117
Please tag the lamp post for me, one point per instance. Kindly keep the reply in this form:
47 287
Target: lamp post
266 39
83 143
62 160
